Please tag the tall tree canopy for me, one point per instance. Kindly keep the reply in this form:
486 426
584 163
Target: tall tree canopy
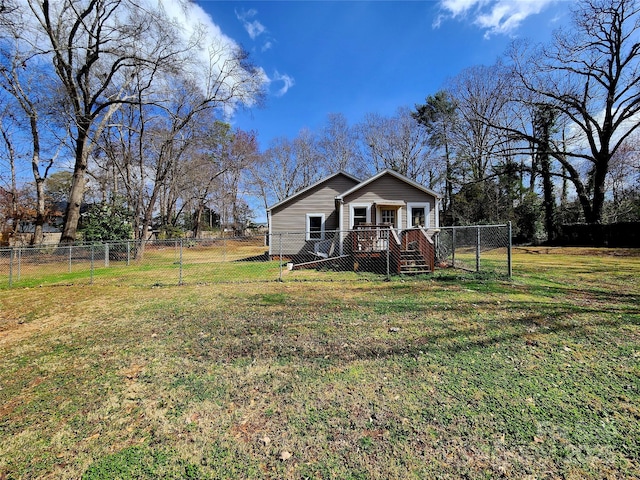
103 54
589 74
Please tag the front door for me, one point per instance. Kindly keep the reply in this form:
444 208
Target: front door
388 216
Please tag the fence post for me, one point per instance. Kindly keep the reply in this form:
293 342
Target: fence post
106 254
224 246
509 264
128 252
70 257
180 274
280 278
19 263
453 247
10 267
477 248
92 259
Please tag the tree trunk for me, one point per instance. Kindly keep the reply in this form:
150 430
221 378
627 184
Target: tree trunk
76 195
599 177
146 223
197 218
148 218
38 233
549 199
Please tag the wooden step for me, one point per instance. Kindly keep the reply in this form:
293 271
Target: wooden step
414 270
413 263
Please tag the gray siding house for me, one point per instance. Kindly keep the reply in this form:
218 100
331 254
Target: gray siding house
341 215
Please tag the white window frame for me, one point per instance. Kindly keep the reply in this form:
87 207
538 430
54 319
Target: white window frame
353 206
308 226
411 206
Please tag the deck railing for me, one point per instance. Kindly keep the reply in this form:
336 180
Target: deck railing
418 239
371 238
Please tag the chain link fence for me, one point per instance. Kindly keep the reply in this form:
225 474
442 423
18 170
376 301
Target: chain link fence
480 248
370 252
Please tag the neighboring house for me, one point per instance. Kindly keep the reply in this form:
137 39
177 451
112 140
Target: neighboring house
341 216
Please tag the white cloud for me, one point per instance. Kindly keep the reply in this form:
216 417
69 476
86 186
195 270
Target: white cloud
287 82
457 7
253 27
214 54
190 13
493 16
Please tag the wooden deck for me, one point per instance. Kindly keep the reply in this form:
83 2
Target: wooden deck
409 252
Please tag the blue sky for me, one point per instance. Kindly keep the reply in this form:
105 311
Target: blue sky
355 57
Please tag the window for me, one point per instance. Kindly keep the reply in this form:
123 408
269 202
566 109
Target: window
388 216
417 217
418 214
315 226
359 215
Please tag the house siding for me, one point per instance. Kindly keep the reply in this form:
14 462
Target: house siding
388 187
291 216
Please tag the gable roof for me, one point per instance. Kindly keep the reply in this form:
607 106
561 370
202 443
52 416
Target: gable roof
394 174
310 187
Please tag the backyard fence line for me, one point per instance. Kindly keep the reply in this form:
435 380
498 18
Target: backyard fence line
366 252
476 248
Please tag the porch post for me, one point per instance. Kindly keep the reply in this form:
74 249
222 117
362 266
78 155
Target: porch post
341 235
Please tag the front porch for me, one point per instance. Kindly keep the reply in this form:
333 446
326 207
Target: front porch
373 248
408 251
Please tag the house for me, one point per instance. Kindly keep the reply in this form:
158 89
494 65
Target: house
362 221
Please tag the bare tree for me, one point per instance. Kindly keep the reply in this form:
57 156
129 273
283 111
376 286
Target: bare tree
623 183
22 78
309 164
278 173
591 75
216 175
119 167
95 47
9 187
107 53
338 146
399 143
243 153
479 93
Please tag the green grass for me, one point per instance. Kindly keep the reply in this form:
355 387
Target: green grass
452 376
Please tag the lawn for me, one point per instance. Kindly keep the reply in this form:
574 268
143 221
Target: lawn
453 376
